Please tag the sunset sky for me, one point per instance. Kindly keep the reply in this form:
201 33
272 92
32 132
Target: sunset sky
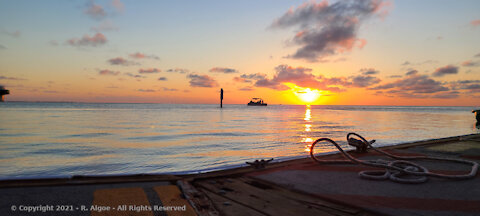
368 52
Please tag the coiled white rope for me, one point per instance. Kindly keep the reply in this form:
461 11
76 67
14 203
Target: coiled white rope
399 170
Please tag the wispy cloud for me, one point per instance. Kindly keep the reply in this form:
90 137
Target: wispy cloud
405 63
51 92
146 90
267 83
202 81
162 78
93 41
108 72
149 70
369 71
394 76
246 89
475 22
408 63
325 30
169 89
2 47
120 61
240 79
248 78
118 5
470 63
411 72
177 70
134 75
447 95
95 11
223 70
106 25
11 78
449 69
14 34
139 55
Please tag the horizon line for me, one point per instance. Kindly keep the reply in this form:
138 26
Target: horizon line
81 102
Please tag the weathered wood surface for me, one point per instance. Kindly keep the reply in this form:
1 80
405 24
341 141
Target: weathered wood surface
228 207
198 200
268 199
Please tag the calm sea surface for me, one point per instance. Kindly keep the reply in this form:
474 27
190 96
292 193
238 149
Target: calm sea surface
64 139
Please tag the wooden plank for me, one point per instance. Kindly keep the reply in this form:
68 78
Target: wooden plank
113 198
199 201
267 199
170 195
230 208
314 200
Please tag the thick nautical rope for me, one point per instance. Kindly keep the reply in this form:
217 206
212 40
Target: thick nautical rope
399 170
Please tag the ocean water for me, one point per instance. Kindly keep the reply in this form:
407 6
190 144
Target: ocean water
65 139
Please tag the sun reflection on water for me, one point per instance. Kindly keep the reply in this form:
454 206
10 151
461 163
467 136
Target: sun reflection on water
308 128
308 114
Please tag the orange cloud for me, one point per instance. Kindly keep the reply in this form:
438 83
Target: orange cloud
475 22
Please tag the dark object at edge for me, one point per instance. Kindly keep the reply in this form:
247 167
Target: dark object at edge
477 114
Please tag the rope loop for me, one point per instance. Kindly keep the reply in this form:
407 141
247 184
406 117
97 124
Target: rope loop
400 170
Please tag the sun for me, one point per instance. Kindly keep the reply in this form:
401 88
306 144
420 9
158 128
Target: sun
308 95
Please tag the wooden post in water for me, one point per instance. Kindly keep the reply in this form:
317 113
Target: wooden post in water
221 98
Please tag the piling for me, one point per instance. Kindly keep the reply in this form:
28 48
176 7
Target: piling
221 98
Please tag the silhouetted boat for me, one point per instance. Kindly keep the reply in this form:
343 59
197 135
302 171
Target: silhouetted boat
3 92
256 102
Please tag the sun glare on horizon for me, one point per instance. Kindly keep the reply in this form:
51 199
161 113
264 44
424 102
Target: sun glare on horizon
306 95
